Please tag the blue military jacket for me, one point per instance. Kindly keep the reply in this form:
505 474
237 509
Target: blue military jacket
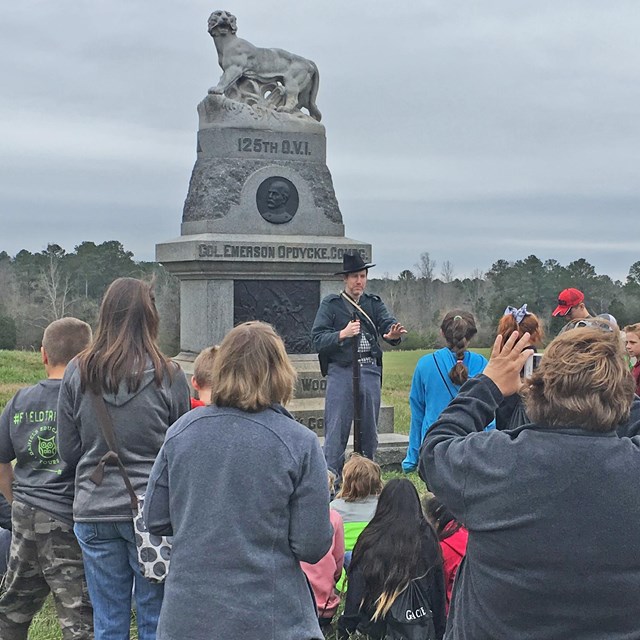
335 313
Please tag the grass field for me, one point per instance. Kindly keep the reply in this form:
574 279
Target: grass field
18 369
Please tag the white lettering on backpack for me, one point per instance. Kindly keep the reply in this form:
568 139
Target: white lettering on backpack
414 615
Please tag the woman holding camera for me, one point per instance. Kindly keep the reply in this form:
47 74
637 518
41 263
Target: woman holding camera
551 508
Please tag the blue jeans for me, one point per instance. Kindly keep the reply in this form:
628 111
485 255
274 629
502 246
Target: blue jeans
111 567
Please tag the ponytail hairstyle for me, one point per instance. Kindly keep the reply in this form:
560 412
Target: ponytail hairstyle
458 327
522 321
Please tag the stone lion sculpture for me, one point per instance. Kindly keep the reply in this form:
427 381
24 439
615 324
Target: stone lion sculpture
288 81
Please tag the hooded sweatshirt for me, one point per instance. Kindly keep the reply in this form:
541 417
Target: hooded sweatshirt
140 419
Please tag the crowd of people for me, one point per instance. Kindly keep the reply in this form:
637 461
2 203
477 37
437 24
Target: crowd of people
528 528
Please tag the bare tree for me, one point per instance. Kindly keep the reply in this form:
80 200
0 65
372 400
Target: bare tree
447 271
425 267
55 289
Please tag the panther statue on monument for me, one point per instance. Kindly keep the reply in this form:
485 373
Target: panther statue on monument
257 76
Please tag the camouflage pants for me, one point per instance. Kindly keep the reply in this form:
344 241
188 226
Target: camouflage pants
44 557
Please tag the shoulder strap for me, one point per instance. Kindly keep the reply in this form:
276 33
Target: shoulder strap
112 456
362 312
443 378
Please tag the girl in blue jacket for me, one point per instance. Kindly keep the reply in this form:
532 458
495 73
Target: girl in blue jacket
438 377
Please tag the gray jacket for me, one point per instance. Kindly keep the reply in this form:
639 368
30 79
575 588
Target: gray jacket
140 420
554 522
246 498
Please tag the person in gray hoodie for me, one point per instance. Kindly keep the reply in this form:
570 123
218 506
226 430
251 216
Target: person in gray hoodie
242 487
144 393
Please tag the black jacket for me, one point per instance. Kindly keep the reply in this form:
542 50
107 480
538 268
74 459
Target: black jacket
355 618
335 313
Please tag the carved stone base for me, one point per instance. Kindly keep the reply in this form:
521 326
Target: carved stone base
310 412
214 269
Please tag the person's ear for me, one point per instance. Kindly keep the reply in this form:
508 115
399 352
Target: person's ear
45 357
194 383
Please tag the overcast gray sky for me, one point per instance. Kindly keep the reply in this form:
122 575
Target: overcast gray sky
471 130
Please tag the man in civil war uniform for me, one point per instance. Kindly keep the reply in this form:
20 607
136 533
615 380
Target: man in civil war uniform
341 319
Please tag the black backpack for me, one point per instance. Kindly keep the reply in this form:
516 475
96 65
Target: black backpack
410 616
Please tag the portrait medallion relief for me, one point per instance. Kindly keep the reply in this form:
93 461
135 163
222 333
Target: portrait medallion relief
277 200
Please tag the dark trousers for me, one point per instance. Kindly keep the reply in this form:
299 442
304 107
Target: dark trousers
338 412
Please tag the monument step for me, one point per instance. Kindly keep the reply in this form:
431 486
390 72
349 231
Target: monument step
392 448
310 412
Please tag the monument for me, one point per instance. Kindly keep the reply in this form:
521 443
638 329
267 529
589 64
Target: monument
262 233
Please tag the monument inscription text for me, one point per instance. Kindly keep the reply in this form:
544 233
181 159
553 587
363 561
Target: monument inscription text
285 147
233 251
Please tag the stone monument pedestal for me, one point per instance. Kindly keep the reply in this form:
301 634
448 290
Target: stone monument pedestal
261 236
226 279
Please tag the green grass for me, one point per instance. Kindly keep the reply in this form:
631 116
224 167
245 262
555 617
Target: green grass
18 369
45 625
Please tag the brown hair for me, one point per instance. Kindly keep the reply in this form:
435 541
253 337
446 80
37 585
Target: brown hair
125 339
203 367
252 370
458 327
64 339
582 381
633 328
530 323
361 477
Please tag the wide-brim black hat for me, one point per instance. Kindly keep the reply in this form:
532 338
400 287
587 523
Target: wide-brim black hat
352 263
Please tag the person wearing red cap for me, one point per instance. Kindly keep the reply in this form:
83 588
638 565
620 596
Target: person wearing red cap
571 305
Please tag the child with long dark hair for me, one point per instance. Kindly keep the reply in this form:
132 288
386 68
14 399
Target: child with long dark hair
438 377
398 551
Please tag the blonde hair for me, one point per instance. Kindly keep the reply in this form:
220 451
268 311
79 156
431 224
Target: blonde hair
582 381
361 477
252 370
203 367
633 328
